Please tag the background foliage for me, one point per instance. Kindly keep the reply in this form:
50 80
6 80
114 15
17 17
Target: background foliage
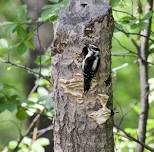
17 105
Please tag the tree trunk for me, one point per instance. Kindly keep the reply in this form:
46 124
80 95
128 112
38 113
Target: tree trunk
144 86
83 123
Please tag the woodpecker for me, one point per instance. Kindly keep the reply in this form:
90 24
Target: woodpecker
90 64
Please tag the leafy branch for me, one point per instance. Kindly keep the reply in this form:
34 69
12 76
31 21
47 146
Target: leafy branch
29 70
124 134
27 132
133 33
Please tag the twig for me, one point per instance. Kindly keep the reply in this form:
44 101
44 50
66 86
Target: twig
132 33
123 54
123 12
33 89
132 52
27 132
34 134
120 67
43 131
130 137
25 68
40 49
126 113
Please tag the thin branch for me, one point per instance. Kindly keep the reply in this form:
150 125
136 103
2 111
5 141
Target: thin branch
120 67
126 113
133 33
130 137
34 134
122 12
25 68
132 52
27 132
134 42
123 54
33 90
40 49
43 131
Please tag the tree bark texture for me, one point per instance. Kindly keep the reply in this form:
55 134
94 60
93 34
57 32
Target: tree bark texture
83 123
144 86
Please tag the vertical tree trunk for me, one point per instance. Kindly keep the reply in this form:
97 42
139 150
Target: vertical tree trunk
82 122
144 86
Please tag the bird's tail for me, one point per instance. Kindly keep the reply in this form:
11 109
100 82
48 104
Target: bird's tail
87 84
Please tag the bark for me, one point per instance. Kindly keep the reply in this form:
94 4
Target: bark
144 86
83 123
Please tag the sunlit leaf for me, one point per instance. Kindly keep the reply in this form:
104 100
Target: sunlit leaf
3 45
12 144
43 141
50 12
44 59
42 82
21 32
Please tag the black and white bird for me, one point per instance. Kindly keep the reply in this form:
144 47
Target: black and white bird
90 64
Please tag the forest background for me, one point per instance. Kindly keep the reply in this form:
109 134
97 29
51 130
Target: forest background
26 33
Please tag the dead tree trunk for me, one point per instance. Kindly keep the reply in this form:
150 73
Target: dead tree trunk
82 122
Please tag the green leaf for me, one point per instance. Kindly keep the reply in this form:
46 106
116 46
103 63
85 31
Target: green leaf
3 43
28 41
42 82
12 144
53 1
21 32
50 12
22 15
8 101
147 16
27 141
21 49
29 44
127 19
45 59
140 25
46 101
115 2
151 48
37 148
6 23
21 113
11 106
43 141
4 47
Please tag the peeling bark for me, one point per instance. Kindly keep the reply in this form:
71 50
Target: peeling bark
83 123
